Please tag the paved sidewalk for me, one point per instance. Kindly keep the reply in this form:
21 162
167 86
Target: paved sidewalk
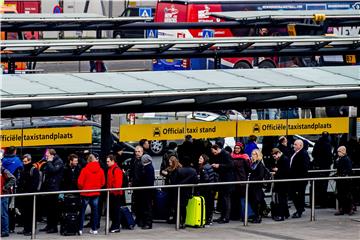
327 226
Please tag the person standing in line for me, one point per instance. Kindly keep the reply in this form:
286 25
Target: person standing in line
183 175
207 175
251 145
284 147
224 166
71 173
147 178
53 171
323 158
256 193
28 183
114 180
299 166
7 182
343 165
241 170
145 144
91 177
13 163
281 171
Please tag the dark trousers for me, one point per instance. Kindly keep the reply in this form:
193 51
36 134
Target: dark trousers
185 195
209 204
143 206
298 196
115 204
344 195
225 196
27 212
281 200
52 211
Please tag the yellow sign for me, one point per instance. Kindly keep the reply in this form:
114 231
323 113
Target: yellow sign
351 59
46 136
175 131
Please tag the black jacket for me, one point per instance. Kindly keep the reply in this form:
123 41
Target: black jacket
53 174
256 193
283 166
300 164
343 166
286 150
29 179
70 178
226 166
322 154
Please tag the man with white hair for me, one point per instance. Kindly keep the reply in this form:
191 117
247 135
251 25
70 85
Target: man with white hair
299 166
343 165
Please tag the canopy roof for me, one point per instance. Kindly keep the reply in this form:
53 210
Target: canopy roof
79 93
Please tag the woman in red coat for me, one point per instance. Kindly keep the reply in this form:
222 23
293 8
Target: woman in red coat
91 177
114 180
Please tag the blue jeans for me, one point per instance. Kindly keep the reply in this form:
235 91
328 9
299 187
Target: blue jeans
94 205
4 215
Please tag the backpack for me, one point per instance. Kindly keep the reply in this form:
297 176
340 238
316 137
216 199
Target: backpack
125 181
38 166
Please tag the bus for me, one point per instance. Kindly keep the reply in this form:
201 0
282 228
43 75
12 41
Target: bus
198 11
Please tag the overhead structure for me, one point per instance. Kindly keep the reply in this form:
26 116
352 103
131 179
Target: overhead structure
62 94
241 19
119 49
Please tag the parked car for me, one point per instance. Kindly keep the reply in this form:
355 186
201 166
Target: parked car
221 116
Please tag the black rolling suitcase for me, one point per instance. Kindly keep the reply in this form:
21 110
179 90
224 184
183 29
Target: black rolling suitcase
70 217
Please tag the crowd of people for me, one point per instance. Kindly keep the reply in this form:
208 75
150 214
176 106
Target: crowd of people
194 161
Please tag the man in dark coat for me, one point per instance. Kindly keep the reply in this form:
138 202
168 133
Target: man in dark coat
53 176
299 166
224 166
281 169
28 183
323 158
147 179
344 168
71 173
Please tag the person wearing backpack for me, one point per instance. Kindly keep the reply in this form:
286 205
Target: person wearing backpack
114 180
29 182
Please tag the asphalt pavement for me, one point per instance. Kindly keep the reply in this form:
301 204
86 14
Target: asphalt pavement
327 226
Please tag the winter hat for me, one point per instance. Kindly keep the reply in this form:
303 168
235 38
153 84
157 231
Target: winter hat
239 144
145 159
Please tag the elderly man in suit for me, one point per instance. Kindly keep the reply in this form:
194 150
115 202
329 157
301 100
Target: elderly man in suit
299 166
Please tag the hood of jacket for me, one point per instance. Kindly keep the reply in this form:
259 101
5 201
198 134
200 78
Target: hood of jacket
93 167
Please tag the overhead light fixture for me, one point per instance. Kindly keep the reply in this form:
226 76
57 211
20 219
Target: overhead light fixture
17 107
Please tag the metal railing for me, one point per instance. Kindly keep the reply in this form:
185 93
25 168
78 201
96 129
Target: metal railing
247 183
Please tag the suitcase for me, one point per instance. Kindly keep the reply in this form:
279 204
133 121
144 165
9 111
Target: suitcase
71 203
250 211
195 212
70 224
161 205
126 218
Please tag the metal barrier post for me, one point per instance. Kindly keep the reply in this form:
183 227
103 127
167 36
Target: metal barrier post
177 226
33 219
246 204
107 213
312 218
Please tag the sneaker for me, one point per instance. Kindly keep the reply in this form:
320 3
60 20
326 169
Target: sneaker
93 232
80 232
115 230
